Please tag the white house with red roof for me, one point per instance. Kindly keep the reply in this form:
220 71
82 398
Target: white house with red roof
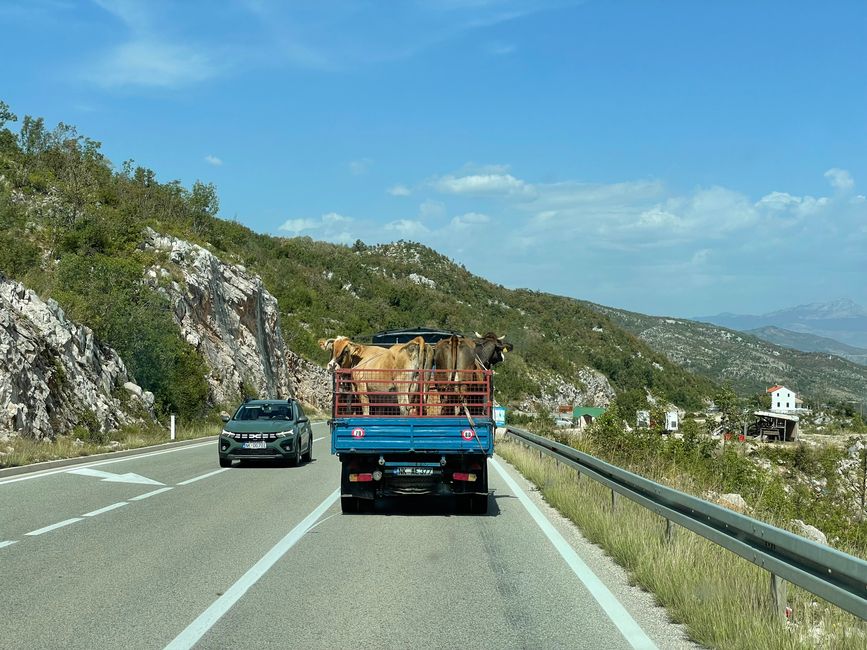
784 400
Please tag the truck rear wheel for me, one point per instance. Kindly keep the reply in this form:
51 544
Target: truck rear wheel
477 504
348 505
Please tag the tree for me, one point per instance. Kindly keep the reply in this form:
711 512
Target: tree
6 115
729 407
205 205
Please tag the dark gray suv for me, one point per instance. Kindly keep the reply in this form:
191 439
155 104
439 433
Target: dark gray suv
267 429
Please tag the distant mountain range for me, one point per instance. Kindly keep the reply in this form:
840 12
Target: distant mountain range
843 321
749 362
810 343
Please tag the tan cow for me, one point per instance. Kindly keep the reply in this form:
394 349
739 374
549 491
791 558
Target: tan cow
378 369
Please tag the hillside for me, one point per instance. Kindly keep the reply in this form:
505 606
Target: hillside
810 343
75 230
749 363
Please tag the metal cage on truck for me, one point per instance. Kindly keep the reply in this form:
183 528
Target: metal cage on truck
418 431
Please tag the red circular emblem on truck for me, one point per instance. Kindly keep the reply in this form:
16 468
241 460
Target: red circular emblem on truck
358 433
467 434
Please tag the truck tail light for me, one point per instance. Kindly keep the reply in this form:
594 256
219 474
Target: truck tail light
360 478
463 476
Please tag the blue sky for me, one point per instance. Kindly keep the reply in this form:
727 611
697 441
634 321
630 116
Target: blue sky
672 158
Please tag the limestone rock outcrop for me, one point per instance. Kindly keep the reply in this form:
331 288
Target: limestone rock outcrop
226 313
54 375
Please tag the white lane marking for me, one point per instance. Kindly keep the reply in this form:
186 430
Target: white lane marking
60 524
115 478
630 630
150 494
9 543
199 478
113 506
206 620
61 470
318 439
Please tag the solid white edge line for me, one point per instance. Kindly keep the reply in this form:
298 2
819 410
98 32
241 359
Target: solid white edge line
113 506
199 478
59 524
63 470
8 543
206 620
631 631
150 494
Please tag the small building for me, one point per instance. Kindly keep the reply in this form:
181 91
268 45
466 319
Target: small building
784 400
583 416
771 425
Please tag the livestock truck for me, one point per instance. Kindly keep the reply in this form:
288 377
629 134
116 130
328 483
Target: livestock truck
412 432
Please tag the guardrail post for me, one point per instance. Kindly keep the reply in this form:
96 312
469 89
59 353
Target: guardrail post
669 531
778 593
613 500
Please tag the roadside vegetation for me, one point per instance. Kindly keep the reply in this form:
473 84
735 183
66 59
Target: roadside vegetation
17 450
723 601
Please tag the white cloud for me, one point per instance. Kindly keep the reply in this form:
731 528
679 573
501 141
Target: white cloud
469 219
298 225
154 63
431 210
399 190
330 226
840 179
408 228
361 166
479 184
213 160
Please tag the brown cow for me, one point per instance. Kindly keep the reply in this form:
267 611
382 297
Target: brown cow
458 353
386 367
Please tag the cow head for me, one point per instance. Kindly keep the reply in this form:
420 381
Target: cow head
342 352
491 349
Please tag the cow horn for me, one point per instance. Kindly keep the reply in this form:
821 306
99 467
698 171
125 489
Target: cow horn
500 338
326 344
478 336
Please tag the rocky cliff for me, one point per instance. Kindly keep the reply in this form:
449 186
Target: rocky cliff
54 376
227 315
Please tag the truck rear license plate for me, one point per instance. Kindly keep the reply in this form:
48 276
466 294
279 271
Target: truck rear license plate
414 471
255 445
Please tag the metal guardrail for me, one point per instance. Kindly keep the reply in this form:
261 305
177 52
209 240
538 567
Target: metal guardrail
837 577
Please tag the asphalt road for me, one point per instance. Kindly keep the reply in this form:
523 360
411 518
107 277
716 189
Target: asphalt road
164 549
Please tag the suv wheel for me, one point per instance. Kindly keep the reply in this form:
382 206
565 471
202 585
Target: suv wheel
308 455
296 457
225 462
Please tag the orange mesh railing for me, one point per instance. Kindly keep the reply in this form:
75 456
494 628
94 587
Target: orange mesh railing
400 393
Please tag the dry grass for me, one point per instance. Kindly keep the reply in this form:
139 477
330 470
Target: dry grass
723 600
17 451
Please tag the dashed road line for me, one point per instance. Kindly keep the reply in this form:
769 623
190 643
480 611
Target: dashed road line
113 506
147 495
59 524
199 478
8 543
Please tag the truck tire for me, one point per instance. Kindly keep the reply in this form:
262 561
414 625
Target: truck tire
478 504
349 505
